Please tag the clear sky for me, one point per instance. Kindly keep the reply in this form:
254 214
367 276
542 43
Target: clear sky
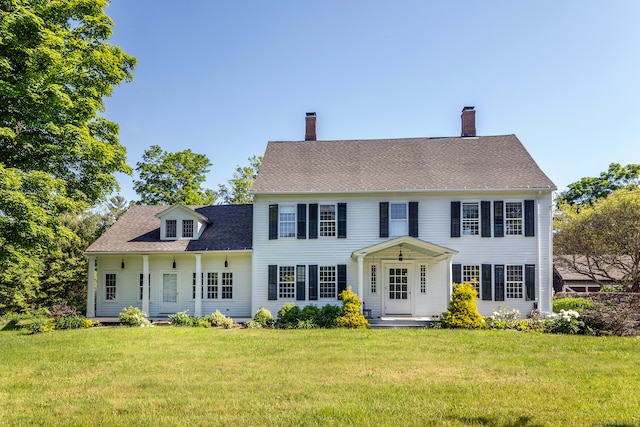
223 77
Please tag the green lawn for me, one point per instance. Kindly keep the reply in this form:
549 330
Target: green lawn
196 376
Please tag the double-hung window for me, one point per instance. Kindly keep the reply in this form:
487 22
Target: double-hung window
471 274
286 282
193 287
212 285
327 214
513 218
227 285
398 219
328 282
110 287
287 221
514 281
470 219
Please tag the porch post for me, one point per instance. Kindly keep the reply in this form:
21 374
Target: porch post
91 292
145 284
198 303
361 279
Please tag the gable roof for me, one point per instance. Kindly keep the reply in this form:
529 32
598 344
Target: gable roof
407 164
138 230
182 208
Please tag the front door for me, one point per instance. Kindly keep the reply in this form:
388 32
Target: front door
169 293
397 290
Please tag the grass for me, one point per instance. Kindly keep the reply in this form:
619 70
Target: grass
195 376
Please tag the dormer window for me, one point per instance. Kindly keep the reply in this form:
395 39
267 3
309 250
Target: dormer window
180 222
187 228
171 229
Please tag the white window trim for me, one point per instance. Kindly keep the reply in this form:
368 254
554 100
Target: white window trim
335 283
334 221
294 221
405 221
468 278
104 290
293 283
521 282
470 221
506 219
140 273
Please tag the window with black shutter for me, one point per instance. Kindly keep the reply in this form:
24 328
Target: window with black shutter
485 219
273 222
486 282
302 221
498 282
273 282
313 282
413 219
530 282
313 220
455 219
342 278
384 219
529 218
456 273
342 220
300 283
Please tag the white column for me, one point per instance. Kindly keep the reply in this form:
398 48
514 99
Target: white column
91 291
198 305
361 279
145 284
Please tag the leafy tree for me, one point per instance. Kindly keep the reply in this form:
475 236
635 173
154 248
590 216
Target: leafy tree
237 193
462 312
168 178
56 154
115 207
589 189
602 240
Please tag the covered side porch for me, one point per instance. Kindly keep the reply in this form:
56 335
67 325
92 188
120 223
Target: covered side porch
404 276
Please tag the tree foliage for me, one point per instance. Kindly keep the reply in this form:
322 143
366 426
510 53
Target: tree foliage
238 190
168 178
56 154
602 240
462 311
590 189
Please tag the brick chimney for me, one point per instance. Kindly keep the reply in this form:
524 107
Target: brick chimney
310 134
468 121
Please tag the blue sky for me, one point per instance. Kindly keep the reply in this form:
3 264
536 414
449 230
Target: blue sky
223 77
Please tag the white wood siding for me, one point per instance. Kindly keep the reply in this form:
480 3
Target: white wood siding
434 227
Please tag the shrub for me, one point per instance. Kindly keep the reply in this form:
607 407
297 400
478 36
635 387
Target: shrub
503 319
327 316
253 324
219 320
288 315
462 312
133 316
263 317
575 304
63 310
73 322
310 313
40 324
181 318
565 322
350 316
306 324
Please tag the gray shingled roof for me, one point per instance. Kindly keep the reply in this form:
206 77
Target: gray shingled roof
485 162
138 230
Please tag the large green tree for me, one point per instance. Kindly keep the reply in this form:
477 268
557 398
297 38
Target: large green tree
590 189
602 240
167 178
57 155
239 188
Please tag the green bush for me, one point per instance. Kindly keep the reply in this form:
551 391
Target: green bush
310 313
253 324
350 316
40 324
327 316
181 318
133 316
263 317
565 322
462 312
576 304
288 315
73 322
219 320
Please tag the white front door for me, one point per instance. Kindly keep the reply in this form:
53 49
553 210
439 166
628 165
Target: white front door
397 299
169 293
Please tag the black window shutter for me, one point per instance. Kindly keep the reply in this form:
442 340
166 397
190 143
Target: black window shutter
456 273
342 278
313 282
384 219
342 220
413 219
313 220
300 283
273 282
455 219
485 219
529 218
498 219
273 222
498 282
530 282
486 282
302 221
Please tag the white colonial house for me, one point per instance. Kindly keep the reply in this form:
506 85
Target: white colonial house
397 220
